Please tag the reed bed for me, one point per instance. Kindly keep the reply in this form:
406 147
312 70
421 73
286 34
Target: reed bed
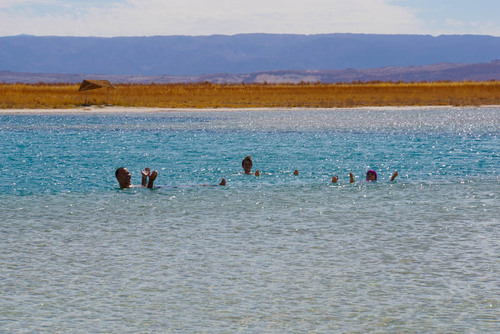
207 95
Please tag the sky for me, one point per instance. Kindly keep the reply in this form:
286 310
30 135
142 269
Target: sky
107 18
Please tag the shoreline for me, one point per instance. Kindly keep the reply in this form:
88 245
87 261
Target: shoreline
138 110
206 97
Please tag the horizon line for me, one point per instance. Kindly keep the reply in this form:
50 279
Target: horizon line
252 33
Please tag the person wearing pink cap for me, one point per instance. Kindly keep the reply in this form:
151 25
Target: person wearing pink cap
371 175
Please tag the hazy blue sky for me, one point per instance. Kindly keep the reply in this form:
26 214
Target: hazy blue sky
206 17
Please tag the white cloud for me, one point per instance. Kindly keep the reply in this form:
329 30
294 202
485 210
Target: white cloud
205 17
18 3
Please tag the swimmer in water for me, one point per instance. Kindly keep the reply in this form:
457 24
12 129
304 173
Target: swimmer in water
124 178
247 166
371 175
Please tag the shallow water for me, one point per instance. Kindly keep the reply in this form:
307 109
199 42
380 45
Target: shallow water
278 253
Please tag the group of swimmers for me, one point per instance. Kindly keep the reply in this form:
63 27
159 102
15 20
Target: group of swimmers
148 177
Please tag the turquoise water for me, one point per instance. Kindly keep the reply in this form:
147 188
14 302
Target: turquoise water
277 253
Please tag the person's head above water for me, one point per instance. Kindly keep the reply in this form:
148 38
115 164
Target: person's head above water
371 175
125 179
247 164
123 176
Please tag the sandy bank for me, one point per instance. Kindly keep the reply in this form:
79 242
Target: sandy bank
118 110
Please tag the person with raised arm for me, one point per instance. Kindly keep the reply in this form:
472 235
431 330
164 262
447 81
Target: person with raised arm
371 176
125 179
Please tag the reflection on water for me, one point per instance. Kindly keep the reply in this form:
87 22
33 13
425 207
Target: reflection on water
270 254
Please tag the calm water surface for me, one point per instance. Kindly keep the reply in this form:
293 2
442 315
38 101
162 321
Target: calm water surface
278 253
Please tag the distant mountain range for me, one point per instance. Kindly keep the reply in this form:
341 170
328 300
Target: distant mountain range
436 72
258 54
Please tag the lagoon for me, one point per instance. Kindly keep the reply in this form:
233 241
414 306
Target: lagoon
277 253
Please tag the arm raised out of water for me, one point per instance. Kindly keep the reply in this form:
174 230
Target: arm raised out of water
351 178
145 174
152 178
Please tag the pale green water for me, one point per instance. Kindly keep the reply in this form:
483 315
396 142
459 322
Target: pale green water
278 253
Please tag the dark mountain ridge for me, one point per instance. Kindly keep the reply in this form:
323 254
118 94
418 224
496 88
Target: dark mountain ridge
236 54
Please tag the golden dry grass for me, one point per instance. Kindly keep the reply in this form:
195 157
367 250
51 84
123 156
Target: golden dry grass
206 95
